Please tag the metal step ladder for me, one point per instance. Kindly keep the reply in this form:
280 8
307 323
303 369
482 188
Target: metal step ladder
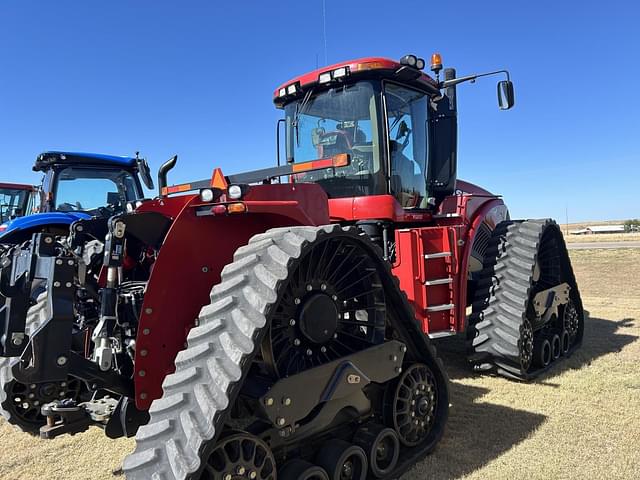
440 276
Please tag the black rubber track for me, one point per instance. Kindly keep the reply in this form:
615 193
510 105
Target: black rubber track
36 315
186 421
504 292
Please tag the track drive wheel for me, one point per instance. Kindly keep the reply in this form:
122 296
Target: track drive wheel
293 299
524 258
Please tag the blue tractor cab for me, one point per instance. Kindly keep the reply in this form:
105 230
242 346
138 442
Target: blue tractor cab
79 186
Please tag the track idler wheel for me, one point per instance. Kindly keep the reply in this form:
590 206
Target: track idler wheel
382 446
411 408
302 470
343 461
542 352
556 347
240 456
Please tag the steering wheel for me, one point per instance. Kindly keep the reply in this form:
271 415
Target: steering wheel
69 207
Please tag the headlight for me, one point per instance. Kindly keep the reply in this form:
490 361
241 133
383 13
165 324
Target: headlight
206 195
234 192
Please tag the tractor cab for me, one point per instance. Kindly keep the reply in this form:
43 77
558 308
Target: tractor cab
16 200
90 183
394 122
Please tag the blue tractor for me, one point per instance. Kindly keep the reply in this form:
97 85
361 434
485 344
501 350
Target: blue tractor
79 186
76 186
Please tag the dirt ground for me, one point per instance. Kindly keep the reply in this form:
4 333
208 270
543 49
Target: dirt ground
578 421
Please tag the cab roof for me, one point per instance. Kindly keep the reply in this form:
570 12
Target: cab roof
17 186
48 159
358 66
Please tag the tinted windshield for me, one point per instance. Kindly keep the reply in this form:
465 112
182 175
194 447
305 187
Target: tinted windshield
343 119
13 203
84 189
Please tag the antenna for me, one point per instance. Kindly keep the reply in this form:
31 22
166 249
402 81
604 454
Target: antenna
324 30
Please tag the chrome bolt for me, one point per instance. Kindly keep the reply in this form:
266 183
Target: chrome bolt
61 394
296 301
309 288
63 384
394 358
309 352
70 263
56 284
335 335
253 474
296 342
281 421
58 262
62 360
143 396
417 422
413 402
292 322
68 284
148 310
403 348
268 401
146 331
36 403
240 470
143 353
80 228
398 369
334 297
205 269
48 240
286 401
323 349
32 386
323 287
413 414
228 477
142 373
32 395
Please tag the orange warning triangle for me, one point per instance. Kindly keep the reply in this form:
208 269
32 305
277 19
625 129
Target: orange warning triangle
217 180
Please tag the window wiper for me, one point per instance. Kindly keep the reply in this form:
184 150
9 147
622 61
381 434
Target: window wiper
300 108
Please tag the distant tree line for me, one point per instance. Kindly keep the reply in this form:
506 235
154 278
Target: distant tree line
632 225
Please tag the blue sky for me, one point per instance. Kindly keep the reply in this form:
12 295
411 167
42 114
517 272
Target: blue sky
196 78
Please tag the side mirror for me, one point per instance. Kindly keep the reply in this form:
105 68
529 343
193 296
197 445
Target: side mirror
506 98
145 173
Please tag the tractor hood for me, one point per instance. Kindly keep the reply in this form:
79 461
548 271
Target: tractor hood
39 220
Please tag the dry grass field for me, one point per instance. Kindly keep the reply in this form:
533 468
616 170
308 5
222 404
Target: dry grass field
580 420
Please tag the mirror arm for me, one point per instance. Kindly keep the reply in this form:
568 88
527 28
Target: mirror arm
471 78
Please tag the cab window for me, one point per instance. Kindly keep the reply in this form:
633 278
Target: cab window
407 124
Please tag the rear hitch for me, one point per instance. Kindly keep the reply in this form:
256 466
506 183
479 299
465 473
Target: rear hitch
64 416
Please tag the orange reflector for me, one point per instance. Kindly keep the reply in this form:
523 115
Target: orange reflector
236 208
436 61
341 160
217 180
369 66
185 187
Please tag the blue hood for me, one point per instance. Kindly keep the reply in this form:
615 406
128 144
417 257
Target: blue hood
42 219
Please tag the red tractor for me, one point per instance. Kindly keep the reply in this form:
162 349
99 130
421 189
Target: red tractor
278 323
16 200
